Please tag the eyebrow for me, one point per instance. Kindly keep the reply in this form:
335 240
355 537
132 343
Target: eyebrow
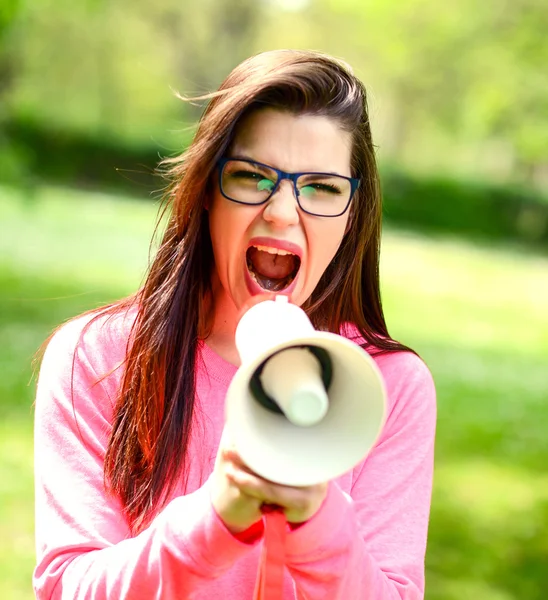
248 158
243 156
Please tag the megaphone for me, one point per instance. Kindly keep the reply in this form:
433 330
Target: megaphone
305 406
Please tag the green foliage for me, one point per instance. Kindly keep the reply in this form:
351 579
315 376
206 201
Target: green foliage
477 315
457 86
121 62
40 154
474 209
470 73
8 12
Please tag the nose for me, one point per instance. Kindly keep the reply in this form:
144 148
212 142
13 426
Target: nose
282 208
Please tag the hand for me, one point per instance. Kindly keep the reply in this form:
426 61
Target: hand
238 494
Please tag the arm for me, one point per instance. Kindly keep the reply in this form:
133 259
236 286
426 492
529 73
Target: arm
371 545
84 548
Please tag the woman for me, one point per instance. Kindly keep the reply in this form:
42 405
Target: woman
138 495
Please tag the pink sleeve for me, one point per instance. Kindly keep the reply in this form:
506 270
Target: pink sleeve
84 548
371 545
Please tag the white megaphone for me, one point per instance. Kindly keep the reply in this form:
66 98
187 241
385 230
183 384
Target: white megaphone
305 406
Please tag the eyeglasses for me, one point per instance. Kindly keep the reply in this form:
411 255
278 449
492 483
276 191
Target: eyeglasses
320 194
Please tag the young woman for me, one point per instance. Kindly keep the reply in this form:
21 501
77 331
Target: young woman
138 495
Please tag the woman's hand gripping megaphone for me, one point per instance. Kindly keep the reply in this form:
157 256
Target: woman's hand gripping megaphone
240 496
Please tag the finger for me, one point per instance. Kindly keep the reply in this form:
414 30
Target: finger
239 465
268 492
232 456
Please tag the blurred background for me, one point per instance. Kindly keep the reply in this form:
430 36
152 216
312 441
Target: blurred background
459 105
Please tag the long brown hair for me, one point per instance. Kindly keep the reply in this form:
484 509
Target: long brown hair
147 450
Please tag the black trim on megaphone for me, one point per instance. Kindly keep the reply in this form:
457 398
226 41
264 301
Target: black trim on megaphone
256 386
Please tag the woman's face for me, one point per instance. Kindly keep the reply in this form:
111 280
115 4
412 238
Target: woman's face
276 246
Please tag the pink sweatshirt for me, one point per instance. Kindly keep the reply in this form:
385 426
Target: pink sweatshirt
367 541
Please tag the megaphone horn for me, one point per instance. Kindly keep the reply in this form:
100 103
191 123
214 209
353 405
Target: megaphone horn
305 406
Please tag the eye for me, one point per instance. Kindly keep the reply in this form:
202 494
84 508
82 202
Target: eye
312 189
255 178
243 174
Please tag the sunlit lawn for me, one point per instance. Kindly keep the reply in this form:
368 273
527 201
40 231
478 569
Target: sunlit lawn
478 316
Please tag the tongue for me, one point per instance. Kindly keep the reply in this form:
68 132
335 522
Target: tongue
273 266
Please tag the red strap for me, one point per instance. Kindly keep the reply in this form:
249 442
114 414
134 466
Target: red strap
252 534
269 585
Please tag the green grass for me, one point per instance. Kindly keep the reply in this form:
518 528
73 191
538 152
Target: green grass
477 315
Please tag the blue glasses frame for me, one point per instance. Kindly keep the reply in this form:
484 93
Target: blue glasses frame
354 184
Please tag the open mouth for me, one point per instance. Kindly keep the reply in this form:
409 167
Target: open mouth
272 268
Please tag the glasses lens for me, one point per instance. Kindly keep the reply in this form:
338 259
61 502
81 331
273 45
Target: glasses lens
323 194
246 182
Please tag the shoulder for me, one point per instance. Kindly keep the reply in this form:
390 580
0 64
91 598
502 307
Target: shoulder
89 348
98 331
399 368
411 395
408 380
403 370
80 374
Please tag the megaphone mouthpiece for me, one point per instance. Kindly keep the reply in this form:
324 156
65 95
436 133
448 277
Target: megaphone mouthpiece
293 379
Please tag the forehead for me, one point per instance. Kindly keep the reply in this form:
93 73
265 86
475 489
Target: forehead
292 142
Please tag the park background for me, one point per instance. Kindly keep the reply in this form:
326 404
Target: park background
459 109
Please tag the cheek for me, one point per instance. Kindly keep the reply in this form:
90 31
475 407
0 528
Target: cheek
228 225
221 221
219 230
327 241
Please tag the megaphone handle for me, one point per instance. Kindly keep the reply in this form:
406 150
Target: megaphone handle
269 584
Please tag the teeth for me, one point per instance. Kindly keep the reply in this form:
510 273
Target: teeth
271 250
